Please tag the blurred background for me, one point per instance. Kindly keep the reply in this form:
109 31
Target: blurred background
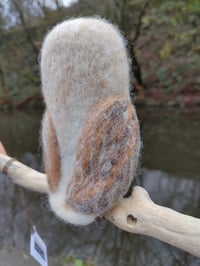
163 40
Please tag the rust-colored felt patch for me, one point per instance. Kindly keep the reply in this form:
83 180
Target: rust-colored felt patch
105 163
51 155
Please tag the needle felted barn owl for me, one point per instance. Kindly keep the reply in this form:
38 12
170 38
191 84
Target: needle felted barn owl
90 131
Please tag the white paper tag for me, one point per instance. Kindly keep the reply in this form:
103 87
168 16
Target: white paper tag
38 248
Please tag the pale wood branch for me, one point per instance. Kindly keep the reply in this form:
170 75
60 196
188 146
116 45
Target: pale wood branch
139 214
24 176
136 214
2 149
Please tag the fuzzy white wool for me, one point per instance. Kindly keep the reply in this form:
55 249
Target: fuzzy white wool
67 213
83 61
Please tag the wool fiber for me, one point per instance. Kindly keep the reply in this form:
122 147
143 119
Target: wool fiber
90 131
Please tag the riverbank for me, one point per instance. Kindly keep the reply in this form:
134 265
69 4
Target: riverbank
156 98
140 97
167 51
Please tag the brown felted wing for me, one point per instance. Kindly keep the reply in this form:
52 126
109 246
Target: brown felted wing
106 156
51 152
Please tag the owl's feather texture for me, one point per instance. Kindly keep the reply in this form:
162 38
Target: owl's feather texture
106 156
90 131
51 152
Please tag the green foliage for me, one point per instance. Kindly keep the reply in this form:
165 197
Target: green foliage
171 33
168 48
165 50
78 262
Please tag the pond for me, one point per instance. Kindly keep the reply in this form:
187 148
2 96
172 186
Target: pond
170 171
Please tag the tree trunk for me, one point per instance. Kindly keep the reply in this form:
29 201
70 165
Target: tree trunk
135 67
23 21
135 64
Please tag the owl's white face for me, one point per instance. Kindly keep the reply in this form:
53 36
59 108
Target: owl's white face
90 131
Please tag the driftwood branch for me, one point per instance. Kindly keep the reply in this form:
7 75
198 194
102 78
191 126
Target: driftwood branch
139 214
136 214
21 174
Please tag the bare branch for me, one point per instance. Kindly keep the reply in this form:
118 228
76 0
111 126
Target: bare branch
23 175
139 214
42 6
136 214
139 21
2 149
58 4
23 22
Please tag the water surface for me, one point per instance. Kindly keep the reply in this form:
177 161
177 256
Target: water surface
170 172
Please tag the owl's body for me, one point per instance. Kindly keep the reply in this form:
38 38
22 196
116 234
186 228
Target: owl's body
90 131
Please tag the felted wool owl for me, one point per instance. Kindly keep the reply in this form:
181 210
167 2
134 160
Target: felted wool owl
90 131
